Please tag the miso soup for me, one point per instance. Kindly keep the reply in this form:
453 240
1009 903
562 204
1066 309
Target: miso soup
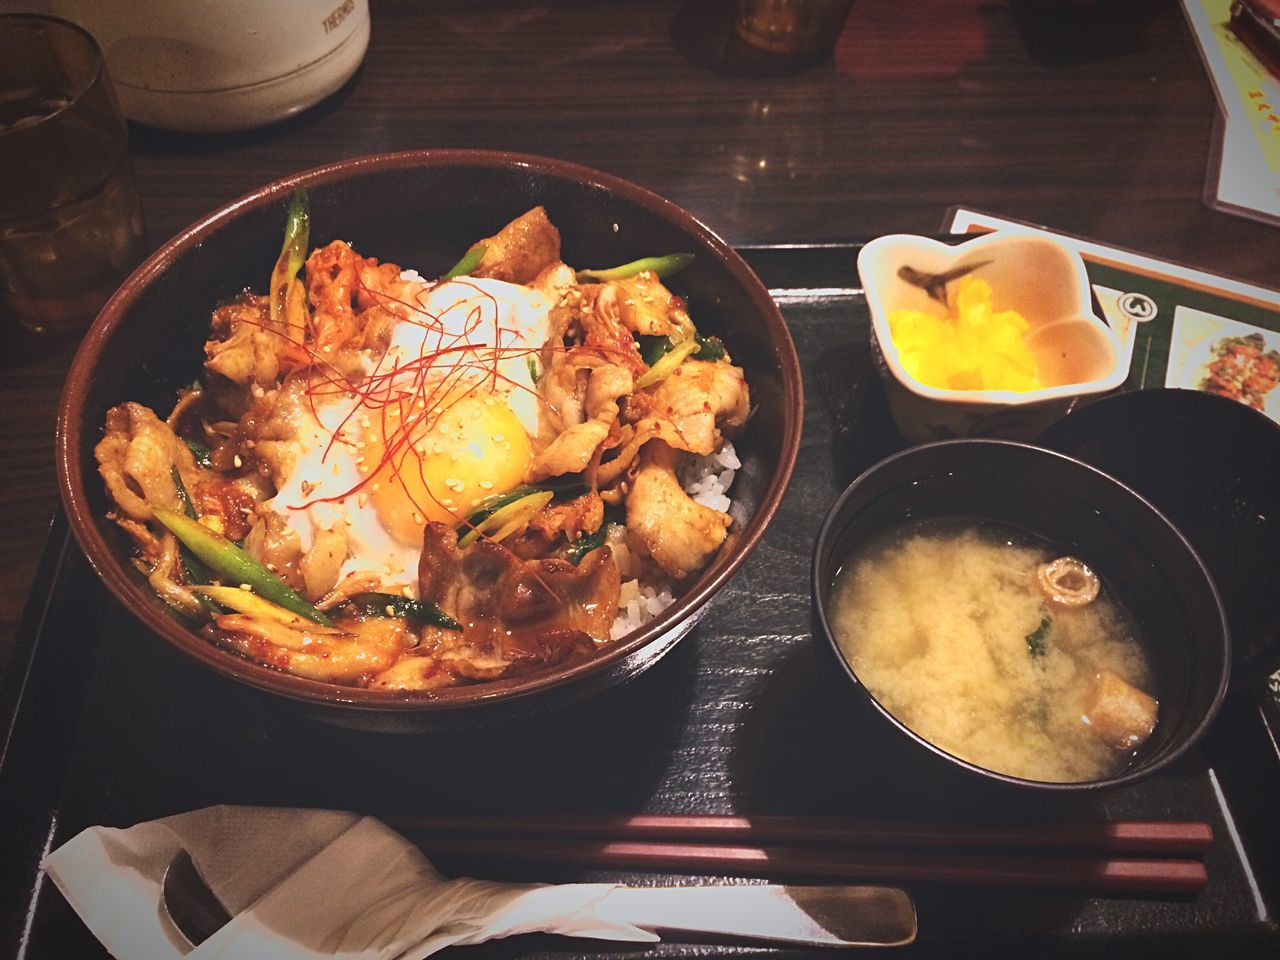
975 638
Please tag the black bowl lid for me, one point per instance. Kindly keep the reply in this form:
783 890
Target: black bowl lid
1212 466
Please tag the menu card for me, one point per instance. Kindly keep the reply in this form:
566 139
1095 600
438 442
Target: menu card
1245 180
1180 327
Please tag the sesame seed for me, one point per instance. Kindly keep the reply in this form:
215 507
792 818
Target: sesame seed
391 611
497 438
247 587
418 518
449 481
486 485
237 461
249 444
363 500
407 591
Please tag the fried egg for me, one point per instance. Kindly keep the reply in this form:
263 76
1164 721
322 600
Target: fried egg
441 421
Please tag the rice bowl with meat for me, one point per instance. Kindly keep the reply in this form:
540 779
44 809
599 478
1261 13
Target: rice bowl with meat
410 484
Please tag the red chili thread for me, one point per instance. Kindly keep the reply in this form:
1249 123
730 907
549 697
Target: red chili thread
428 389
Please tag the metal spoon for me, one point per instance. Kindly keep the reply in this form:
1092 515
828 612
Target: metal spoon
812 916
935 284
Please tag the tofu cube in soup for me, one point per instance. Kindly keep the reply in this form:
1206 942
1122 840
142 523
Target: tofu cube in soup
1120 714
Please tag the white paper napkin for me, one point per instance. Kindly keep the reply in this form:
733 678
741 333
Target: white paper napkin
304 884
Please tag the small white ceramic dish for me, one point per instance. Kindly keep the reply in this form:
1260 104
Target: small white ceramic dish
1077 353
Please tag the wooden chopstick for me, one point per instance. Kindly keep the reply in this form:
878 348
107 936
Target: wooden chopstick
1099 874
1138 837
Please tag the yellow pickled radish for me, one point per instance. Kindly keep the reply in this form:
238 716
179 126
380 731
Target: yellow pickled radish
973 347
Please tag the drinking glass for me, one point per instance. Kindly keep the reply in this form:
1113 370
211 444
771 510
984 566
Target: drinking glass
70 220
798 28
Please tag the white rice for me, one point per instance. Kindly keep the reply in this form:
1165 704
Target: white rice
706 480
638 605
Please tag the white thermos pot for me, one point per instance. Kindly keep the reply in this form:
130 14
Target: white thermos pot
207 65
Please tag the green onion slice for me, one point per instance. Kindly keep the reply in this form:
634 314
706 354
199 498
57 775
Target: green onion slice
662 267
470 260
421 612
667 364
587 543
293 252
233 565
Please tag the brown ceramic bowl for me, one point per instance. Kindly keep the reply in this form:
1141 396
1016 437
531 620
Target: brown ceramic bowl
419 209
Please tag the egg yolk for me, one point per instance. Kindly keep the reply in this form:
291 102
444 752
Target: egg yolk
439 467
975 348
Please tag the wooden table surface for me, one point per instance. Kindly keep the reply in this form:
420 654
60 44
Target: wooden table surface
1093 120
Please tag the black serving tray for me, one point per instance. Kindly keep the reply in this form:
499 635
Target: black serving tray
105 724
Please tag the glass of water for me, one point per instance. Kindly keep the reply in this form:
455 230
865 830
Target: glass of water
70 220
797 28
